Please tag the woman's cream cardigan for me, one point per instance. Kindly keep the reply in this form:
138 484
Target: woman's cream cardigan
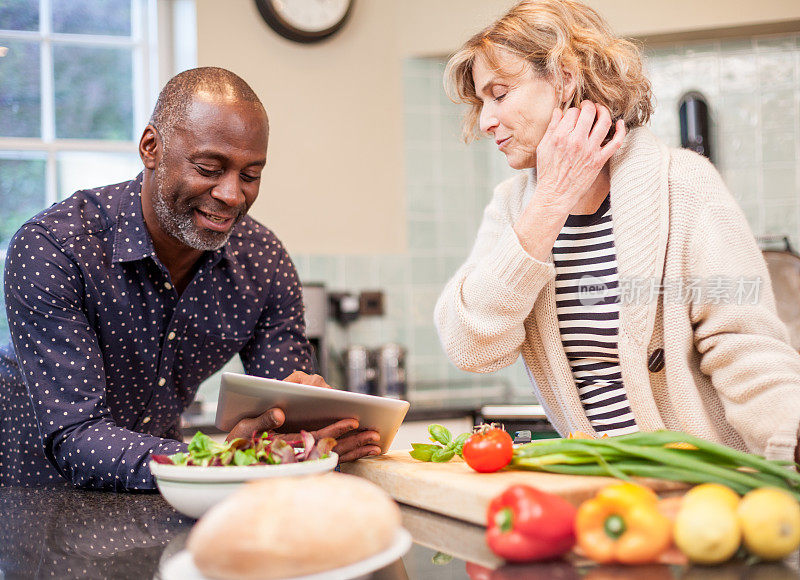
730 374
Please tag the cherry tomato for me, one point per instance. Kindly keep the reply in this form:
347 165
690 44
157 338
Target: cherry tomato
488 450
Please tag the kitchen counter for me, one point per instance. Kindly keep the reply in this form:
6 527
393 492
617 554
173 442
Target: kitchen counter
61 532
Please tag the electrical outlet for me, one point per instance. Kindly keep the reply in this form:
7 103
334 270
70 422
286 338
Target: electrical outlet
344 307
371 303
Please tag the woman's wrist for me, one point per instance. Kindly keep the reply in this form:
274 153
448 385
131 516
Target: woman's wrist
538 227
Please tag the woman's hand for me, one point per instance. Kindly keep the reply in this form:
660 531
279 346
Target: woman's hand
569 159
571 154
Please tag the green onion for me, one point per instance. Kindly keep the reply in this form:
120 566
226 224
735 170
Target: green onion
645 455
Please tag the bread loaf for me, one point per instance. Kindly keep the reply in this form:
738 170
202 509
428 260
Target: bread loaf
291 526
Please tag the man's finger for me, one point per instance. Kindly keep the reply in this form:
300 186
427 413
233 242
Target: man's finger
302 378
337 429
358 453
355 440
271 419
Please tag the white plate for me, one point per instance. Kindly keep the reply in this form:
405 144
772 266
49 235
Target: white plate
234 473
181 566
312 407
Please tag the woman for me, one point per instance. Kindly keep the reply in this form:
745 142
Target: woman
621 270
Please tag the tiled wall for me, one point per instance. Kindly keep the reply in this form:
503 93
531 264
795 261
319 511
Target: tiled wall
447 187
753 88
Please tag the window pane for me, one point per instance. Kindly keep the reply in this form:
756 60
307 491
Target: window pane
93 92
20 111
22 192
22 195
19 14
111 17
85 169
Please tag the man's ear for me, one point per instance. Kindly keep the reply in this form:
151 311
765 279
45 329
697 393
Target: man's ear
150 147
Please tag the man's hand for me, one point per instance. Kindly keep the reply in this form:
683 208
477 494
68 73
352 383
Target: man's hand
302 378
351 444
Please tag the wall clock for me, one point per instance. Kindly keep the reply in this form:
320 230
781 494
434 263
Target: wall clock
305 20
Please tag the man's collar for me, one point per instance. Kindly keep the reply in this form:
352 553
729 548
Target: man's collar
132 240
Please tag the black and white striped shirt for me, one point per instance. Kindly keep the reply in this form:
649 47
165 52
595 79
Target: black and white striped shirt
587 303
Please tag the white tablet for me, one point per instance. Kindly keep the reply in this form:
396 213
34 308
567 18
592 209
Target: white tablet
306 407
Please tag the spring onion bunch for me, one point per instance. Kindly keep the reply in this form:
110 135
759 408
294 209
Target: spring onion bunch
672 455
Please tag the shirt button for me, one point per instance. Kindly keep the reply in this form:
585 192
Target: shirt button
170 336
168 286
145 420
162 381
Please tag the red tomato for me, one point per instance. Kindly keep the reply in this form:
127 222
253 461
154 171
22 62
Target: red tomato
488 450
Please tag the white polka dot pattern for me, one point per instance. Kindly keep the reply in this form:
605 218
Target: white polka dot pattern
111 354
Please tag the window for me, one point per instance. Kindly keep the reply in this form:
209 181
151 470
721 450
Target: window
79 79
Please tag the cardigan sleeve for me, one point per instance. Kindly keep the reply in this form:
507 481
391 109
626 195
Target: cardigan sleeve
744 346
481 312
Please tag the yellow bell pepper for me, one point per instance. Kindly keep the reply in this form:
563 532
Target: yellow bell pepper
622 523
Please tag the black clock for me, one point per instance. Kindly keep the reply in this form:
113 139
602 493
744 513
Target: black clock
305 20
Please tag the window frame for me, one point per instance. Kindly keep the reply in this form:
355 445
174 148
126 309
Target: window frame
144 44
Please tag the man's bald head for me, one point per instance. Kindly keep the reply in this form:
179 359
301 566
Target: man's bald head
207 82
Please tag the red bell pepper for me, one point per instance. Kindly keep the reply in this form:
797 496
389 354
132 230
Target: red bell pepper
526 524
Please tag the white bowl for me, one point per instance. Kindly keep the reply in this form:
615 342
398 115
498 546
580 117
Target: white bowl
192 489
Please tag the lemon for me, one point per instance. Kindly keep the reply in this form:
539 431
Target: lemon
713 492
707 532
770 521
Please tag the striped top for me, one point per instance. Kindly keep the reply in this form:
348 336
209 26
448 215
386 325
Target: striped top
587 303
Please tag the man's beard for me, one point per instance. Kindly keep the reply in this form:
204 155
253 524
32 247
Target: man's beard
179 222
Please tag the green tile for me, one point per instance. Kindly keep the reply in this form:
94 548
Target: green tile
419 93
742 183
738 72
737 149
421 235
426 340
779 108
421 165
739 110
422 200
780 183
776 68
397 304
456 233
326 269
731 45
425 369
780 219
423 301
777 146
420 126
393 270
360 272
780 42
426 270
696 49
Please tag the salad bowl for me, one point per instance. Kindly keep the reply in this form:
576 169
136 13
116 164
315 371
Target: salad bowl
194 482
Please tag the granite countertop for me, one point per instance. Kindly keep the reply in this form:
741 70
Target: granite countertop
61 532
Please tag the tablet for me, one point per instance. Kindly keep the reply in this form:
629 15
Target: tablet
306 407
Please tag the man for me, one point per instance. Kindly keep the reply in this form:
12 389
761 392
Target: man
121 300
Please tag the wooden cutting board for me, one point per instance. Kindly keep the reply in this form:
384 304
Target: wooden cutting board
455 490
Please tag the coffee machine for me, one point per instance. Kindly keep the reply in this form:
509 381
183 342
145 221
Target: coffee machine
315 299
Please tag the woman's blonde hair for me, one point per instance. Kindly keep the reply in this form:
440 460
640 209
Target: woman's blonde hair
551 35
